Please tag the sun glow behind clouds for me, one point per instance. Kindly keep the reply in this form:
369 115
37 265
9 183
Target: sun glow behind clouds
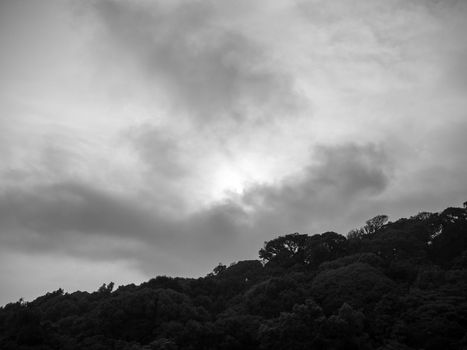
228 179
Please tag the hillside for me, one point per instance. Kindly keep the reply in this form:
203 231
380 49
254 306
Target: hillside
387 285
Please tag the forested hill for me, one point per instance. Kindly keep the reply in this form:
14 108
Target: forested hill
388 285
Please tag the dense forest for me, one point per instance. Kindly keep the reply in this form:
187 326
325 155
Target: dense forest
387 285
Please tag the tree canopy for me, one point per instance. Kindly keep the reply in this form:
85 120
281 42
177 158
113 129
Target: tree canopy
387 285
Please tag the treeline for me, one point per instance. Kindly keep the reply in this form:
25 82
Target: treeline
388 285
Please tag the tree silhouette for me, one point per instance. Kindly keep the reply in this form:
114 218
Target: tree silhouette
375 224
285 250
387 286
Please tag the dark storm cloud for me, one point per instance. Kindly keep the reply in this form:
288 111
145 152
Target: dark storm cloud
208 70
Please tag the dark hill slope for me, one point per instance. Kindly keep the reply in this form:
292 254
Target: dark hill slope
398 285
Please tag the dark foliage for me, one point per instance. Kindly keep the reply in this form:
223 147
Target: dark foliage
386 286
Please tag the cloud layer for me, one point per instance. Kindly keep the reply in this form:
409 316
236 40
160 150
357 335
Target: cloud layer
67 216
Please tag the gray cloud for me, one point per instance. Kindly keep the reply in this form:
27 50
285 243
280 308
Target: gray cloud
208 70
324 196
65 216
78 220
160 150
71 207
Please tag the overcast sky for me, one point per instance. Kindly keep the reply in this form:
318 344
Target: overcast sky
141 138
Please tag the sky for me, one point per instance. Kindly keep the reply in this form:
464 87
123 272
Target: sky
142 138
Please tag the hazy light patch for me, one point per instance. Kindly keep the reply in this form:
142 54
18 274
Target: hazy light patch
229 180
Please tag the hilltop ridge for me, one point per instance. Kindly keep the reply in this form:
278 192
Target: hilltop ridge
386 285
